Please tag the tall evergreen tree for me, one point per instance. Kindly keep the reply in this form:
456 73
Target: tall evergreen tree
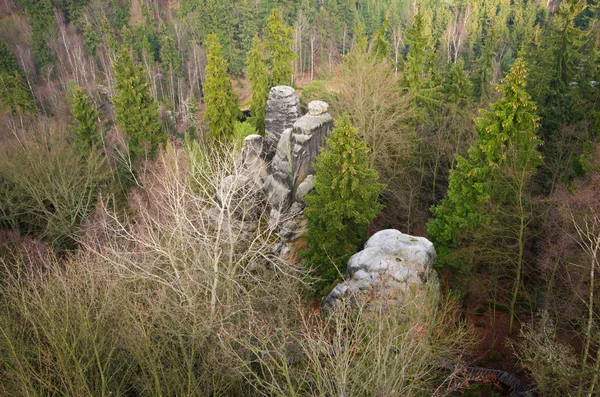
417 78
41 19
256 72
488 208
221 102
343 203
135 108
381 45
278 43
482 81
85 114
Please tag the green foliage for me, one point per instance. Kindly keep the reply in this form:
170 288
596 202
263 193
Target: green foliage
8 62
135 108
417 80
456 85
14 95
381 45
41 19
221 102
482 77
86 116
280 57
343 203
256 72
171 60
506 149
241 131
316 91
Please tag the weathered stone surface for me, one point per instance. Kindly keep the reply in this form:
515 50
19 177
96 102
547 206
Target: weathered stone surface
390 267
292 164
250 162
278 193
283 109
307 139
316 108
304 188
240 195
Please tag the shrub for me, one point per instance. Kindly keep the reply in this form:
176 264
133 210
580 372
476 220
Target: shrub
46 187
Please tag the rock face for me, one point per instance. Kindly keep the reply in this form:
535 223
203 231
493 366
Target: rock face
391 266
292 164
283 109
279 167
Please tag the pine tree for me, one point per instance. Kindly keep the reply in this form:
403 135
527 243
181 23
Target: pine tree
135 108
278 43
256 72
221 102
488 208
85 114
343 203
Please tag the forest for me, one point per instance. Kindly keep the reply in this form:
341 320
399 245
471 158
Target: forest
134 263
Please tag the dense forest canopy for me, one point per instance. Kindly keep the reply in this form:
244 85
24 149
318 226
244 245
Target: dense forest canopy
474 123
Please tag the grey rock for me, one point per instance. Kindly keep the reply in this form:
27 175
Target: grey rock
283 109
391 265
316 108
241 196
304 188
278 193
250 162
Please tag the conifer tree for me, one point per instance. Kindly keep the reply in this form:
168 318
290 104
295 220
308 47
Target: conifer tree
256 72
343 203
135 108
221 102
417 79
171 60
14 95
488 206
381 45
278 43
482 77
456 85
85 114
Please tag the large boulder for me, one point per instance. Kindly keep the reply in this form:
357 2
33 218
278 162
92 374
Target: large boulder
391 267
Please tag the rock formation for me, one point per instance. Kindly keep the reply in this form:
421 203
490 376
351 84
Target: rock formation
391 266
283 109
281 164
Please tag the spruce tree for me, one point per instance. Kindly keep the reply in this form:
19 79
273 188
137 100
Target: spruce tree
417 78
85 130
278 43
488 208
14 95
135 108
381 45
221 102
482 77
256 72
343 203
